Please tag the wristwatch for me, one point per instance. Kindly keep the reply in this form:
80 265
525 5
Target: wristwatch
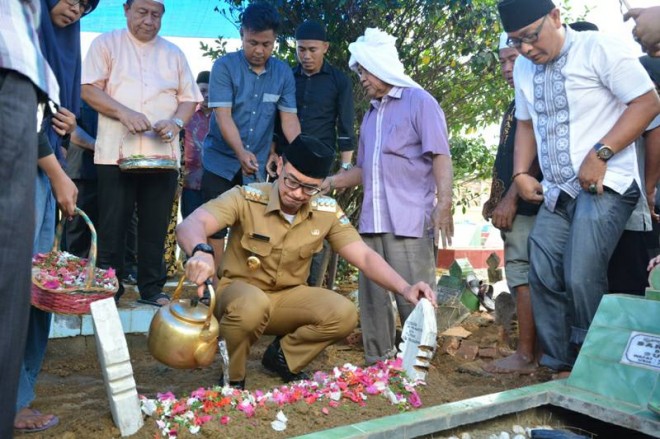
178 122
603 151
202 247
346 166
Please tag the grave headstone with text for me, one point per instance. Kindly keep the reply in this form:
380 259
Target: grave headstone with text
419 340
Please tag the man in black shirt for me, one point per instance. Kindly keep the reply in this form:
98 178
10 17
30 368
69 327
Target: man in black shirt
324 94
515 218
324 97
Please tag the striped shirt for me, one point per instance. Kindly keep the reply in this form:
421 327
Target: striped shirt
19 45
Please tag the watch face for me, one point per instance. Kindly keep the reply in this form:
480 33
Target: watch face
605 153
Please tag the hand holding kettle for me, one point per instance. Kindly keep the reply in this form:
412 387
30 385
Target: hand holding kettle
199 268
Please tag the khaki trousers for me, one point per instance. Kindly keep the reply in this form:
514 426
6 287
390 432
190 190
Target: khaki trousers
413 259
308 318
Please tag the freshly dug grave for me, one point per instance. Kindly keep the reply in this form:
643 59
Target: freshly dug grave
71 386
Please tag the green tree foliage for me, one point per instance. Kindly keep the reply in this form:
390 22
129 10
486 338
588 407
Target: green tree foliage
447 46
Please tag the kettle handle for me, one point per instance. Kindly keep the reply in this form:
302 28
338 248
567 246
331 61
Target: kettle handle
209 285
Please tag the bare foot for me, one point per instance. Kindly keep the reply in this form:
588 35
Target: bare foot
515 363
30 419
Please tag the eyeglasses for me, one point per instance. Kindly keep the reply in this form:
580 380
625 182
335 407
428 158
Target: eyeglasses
83 5
294 184
528 39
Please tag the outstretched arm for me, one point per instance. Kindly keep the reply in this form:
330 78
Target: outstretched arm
378 270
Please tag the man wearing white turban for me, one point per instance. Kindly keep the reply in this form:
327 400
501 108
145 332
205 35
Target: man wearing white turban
404 164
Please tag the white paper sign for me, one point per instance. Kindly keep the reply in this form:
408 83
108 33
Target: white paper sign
419 340
643 350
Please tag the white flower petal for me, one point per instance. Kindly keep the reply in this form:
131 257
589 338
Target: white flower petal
278 425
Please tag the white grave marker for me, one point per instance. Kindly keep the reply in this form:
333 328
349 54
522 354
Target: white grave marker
419 340
116 366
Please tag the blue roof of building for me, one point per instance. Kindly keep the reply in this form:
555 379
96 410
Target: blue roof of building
190 18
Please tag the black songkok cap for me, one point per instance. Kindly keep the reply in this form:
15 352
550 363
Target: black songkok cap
203 77
516 14
581 26
310 156
311 30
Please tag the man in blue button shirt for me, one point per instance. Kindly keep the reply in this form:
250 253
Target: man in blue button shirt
247 89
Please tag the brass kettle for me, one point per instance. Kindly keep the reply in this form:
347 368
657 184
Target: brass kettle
184 333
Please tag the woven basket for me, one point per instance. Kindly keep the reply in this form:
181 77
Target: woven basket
145 164
73 301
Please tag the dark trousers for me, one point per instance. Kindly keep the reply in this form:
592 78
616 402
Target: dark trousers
152 194
18 167
626 272
77 236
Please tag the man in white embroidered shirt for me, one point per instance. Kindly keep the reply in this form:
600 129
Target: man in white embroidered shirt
581 101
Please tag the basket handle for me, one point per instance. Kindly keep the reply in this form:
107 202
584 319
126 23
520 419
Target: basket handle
91 264
123 139
179 289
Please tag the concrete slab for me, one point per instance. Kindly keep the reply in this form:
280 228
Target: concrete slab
443 417
135 319
115 362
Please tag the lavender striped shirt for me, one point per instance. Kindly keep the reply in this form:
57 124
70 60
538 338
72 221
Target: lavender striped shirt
399 136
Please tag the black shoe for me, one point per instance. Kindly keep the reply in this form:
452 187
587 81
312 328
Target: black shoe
274 361
240 385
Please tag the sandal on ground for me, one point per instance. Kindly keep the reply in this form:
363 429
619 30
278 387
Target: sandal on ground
52 423
154 300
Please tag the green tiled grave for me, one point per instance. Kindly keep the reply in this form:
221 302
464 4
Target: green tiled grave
600 386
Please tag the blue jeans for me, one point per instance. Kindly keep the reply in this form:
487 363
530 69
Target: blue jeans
39 325
569 250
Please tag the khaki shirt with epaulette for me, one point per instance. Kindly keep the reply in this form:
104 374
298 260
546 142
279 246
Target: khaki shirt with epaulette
284 250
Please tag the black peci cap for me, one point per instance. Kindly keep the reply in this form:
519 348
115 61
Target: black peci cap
310 156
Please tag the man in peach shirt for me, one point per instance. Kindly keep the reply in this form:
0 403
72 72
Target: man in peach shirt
144 91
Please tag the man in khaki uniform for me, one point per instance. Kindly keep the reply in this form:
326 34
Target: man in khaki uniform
275 230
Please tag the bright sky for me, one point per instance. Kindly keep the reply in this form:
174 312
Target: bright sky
607 15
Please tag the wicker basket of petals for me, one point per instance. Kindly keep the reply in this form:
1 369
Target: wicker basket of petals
66 284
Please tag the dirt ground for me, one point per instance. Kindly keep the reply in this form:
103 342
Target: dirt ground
71 387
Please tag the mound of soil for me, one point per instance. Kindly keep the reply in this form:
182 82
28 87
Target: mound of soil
71 386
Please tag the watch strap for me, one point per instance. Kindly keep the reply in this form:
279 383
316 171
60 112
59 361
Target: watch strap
202 247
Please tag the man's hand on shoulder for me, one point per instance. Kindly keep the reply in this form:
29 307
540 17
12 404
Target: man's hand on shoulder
413 293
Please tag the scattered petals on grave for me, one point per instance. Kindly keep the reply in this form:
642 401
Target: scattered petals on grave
222 405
